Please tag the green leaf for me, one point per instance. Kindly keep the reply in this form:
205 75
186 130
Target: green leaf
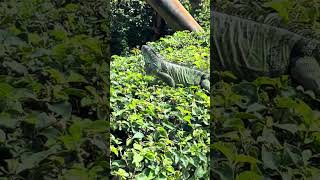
298 106
59 33
224 171
268 136
226 149
71 7
76 77
76 130
234 123
56 75
122 173
267 81
293 128
59 51
137 158
294 154
248 175
75 92
141 176
40 52
93 44
114 150
5 90
42 120
87 101
150 155
98 126
306 155
138 135
34 38
184 161
7 121
15 66
70 142
248 159
62 108
255 107
200 172
78 172
31 160
281 6
269 159
129 141
2 136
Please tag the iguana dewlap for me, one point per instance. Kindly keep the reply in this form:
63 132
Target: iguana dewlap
250 49
171 73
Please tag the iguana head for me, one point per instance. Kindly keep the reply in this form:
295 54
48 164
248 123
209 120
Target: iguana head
151 58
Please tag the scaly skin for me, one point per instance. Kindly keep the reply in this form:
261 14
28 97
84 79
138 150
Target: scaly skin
250 49
171 73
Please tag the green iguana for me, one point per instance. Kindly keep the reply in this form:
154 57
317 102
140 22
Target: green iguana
171 73
249 49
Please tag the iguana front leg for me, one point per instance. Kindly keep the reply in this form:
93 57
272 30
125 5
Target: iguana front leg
306 71
166 78
205 84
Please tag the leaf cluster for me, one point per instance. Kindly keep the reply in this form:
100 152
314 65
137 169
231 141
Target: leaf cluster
265 129
53 101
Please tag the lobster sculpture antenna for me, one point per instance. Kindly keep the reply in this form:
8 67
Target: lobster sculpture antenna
176 16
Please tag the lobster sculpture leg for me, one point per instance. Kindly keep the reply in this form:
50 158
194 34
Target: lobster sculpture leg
176 16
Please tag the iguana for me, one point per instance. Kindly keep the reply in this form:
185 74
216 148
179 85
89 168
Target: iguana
171 73
249 49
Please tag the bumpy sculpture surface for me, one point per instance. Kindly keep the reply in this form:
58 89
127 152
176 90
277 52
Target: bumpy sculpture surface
250 49
171 73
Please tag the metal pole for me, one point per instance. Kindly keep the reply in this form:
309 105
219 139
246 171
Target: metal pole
176 16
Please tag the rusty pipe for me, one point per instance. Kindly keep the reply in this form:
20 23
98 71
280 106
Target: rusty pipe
176 16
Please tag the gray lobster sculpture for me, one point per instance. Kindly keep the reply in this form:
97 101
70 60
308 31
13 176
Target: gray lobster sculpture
250 49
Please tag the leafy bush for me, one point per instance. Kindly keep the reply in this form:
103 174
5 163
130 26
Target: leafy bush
53 88
159 131
265 129
131 24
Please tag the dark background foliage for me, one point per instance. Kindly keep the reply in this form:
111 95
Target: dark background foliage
53 89
132 22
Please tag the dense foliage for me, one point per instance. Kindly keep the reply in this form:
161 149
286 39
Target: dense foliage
160 132
268 128
131 23
265 128
53 84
